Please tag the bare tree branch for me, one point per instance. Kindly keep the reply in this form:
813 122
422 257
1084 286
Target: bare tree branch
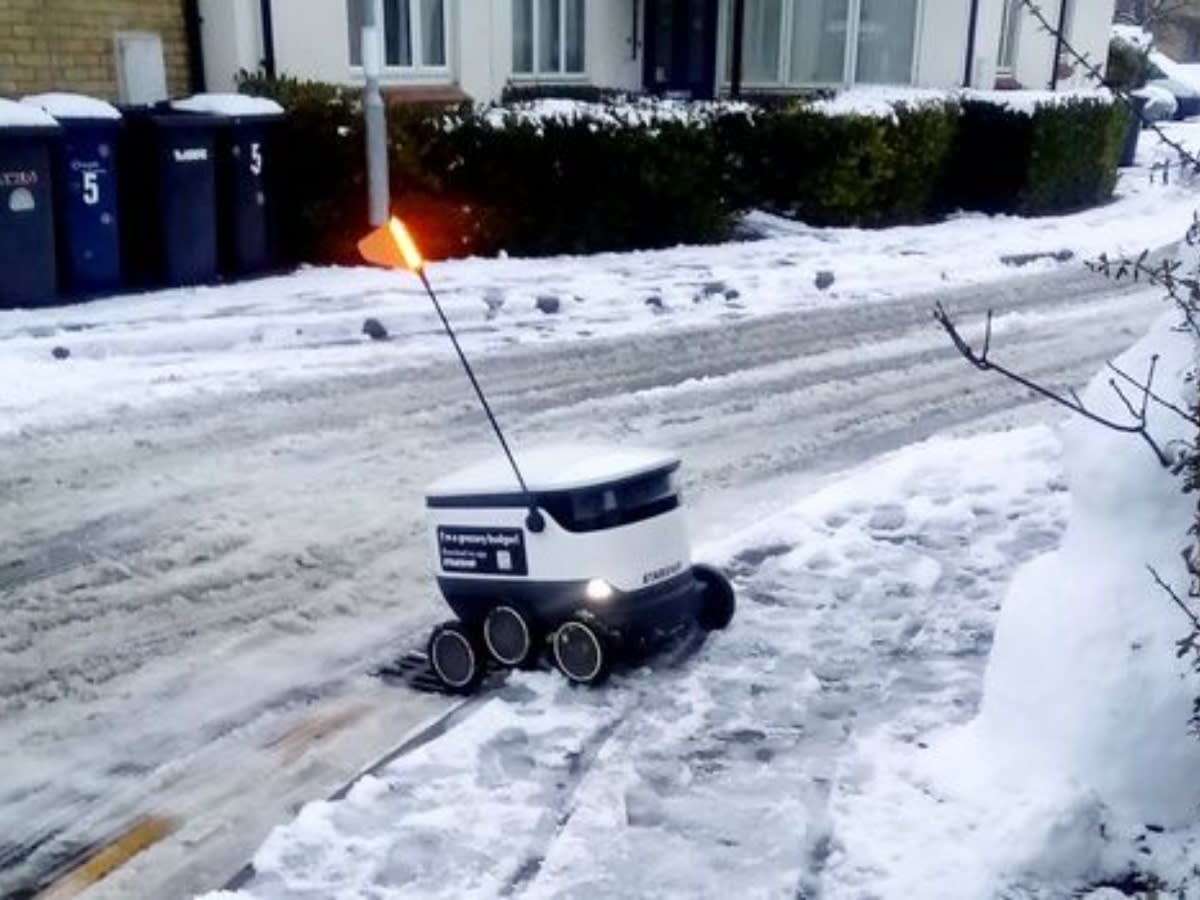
983 362
1187 611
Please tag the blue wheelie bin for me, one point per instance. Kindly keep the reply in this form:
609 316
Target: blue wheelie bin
28 271
168 187
246 187
85 163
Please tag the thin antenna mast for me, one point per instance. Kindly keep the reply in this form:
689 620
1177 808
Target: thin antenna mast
392 246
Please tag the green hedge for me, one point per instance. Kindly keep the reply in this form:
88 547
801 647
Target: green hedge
1061 158
480 181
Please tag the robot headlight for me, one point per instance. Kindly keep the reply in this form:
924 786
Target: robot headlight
599 591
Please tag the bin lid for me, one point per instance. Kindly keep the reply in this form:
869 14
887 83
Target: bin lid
21 118
76 107
235 106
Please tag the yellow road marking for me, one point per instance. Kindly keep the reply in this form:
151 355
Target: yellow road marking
143 834
292 743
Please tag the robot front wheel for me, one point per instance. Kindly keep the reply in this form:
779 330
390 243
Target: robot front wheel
717 600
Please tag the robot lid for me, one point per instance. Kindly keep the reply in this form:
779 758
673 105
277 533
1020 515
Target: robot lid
553 469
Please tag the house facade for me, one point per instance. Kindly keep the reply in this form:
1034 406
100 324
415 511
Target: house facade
476 48
126 50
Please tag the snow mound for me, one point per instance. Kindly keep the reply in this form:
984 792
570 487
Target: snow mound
1079 766
228 105
1134 35
73 106
1160 102
23 115
1083 682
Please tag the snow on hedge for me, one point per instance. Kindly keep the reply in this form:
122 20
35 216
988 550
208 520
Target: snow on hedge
1134 35
632 111
1080 765
869 101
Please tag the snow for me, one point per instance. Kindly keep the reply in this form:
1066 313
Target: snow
553 468
876 101
1081 741
73 106
633 111
22 115
1027 101
1135 35
824 746
866 605
228 105
1181 80
881 101
141 349
1160 102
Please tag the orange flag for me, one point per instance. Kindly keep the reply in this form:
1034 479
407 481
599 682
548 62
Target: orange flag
392 247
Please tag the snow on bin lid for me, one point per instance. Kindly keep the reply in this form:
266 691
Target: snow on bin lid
22 115
228 105
73 106
556 467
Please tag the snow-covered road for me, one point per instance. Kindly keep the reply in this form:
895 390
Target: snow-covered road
194 589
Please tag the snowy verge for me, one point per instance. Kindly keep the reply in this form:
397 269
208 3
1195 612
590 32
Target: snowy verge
868 602
1080 767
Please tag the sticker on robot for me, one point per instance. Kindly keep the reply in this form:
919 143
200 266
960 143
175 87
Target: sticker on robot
482 551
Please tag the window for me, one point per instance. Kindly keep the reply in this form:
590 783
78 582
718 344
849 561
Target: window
812 42
414 33
548 37
1010 30
613 505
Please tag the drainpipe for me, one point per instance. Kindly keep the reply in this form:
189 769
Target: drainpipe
267 17
972 27
1058 44
195 45
739 32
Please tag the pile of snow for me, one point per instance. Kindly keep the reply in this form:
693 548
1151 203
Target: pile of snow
1080 766
1134 35
1083 682
23 115
1161 104
1180 80
228 105
73 106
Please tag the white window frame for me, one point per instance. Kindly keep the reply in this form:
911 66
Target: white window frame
783 82
559 75
1010 38
418 72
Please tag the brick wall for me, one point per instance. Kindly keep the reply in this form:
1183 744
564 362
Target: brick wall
68 44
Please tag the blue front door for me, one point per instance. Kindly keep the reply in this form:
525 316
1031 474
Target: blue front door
681 47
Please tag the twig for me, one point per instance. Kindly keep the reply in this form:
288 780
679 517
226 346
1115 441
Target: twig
1192 617
982 361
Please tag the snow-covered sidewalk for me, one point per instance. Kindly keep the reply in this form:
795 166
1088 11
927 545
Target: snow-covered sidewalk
868 604
137 350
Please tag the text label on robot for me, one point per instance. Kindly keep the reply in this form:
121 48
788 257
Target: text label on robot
482 551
